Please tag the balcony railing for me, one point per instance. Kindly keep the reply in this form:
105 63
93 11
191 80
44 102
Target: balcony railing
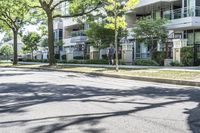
182 13
78 33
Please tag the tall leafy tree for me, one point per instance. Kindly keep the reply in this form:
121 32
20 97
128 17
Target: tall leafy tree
13 15
6 50
52 10
99 36
150 31
31 41
116 19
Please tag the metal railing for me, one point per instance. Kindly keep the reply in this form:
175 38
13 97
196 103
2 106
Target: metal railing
142 55
182 13
78 33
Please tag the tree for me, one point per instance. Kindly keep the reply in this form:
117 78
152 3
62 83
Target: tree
6 50
150 31
116 19
52 10
99 36
13 15
59 44
44 42
31 42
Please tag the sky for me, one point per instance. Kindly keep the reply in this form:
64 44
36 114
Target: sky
29 28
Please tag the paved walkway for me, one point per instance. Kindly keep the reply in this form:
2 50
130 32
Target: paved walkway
124 66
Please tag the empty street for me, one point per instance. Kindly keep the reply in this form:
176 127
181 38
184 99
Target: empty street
33 101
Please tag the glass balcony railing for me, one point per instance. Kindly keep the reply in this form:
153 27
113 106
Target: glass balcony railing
78 33
182 13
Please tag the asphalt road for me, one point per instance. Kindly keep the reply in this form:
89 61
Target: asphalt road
33 101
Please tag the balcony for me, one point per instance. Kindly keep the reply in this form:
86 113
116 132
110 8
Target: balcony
78 37
68 43
183 18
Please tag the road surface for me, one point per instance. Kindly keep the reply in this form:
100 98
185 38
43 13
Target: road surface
33 101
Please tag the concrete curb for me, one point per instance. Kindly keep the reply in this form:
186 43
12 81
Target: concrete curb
148 79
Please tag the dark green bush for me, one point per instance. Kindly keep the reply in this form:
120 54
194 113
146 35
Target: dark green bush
187 56
176 63
146 63
57 56
64 57
78 57
35 60
95 62
74 62
159 57
105 57
85 62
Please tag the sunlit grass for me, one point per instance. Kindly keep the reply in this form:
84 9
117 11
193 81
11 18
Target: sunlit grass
155 73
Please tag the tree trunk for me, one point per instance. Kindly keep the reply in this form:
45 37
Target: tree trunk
32 54
51 40
116 45
151 48
15 60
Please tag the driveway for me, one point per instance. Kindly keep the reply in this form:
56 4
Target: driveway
33 101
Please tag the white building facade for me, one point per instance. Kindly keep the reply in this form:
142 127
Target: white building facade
183 25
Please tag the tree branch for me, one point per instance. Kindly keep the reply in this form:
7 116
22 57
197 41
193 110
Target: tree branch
57 4
78 14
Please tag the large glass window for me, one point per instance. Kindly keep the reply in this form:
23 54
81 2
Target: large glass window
190 38
197 2
197 38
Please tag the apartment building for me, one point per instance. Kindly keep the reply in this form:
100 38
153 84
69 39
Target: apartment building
71 33
183 26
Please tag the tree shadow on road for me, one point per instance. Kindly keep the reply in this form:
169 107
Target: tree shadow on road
15 98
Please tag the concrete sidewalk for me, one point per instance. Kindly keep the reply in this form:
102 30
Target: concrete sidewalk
195 68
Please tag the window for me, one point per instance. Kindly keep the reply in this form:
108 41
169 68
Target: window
190 38
197 38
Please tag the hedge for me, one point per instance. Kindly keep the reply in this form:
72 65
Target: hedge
146 63
159 57
187 56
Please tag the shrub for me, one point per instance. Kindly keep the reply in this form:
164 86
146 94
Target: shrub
176 63
74 62
146 63
95 62
105 57
57 56
187 56
64 57
34 60
78 57
159 57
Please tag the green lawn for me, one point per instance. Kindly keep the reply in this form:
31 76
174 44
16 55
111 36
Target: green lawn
156 73
5 63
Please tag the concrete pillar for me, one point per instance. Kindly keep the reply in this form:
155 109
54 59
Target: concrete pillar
127 53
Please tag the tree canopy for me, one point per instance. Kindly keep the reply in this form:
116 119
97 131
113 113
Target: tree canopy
150 31
13 15
31 41
62 9
116 19
6 50
99 36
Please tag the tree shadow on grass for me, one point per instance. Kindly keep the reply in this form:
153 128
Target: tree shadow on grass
20 96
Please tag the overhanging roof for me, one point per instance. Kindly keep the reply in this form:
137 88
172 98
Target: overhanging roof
143 3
